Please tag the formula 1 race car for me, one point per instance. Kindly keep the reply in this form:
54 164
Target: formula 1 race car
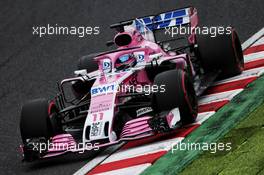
143 87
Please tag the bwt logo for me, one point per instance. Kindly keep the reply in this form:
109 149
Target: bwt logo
102 89
162 20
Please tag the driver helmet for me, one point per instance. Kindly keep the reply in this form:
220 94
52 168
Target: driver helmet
125 61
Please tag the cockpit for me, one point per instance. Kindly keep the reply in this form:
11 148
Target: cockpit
125 61
122 62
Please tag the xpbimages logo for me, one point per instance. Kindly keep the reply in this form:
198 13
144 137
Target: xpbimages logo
112 88
61 146
79 31
212 31
204 146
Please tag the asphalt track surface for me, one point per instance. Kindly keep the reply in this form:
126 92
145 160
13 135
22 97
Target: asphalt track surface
30 66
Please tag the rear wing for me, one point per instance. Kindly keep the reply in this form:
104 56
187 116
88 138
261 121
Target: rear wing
172 18
149 24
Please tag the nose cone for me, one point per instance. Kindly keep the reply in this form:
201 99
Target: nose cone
102 108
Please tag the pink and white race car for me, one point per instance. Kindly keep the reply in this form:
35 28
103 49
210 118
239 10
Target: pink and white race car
142 88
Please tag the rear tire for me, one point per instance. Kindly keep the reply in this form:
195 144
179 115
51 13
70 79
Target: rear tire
36 122
179 92
222 52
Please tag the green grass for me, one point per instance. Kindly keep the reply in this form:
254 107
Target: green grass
246 155
218 127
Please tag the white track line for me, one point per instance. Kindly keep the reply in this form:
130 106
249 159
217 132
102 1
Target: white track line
253 39
203 117
261 71
246 74
164 145
98 159
253 56
202 100
228 95
259 42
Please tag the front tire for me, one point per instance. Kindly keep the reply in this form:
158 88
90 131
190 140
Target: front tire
37 122
179 92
